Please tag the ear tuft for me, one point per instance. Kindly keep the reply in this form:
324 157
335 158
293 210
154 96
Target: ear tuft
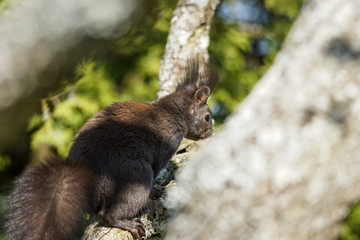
196 77
201 95
191 76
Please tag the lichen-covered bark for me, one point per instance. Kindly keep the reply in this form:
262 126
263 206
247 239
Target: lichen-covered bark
188 35
286 165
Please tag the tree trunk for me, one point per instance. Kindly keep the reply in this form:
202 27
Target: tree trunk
286 164
188 36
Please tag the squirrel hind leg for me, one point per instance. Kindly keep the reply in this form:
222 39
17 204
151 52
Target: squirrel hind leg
123 208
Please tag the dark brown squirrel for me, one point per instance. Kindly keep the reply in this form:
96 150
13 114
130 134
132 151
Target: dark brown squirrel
112 164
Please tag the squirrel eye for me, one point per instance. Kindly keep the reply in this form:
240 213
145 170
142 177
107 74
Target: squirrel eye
207 117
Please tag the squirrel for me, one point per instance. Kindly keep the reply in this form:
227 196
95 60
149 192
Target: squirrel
112 164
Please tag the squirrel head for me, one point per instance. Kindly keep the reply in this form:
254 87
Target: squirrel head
198 84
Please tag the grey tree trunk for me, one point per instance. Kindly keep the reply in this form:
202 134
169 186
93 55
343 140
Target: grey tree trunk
188 36
286 165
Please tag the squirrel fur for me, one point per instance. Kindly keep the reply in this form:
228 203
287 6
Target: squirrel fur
112 164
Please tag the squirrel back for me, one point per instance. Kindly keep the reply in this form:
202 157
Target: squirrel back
112 163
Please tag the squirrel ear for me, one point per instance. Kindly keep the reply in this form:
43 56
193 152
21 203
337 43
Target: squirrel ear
202 94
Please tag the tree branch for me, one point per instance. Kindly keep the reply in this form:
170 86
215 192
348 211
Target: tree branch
188 35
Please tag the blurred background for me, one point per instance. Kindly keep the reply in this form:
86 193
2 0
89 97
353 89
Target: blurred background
245 38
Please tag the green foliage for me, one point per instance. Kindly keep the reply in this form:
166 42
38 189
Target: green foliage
3 207
286 8
234 48
93 91
351 227
142 83
4 5
5 161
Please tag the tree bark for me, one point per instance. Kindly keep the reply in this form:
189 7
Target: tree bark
188 36
286 164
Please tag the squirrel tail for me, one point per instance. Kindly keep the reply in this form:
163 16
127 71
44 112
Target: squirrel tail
49 202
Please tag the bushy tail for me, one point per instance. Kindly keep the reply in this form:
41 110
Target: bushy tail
49 200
